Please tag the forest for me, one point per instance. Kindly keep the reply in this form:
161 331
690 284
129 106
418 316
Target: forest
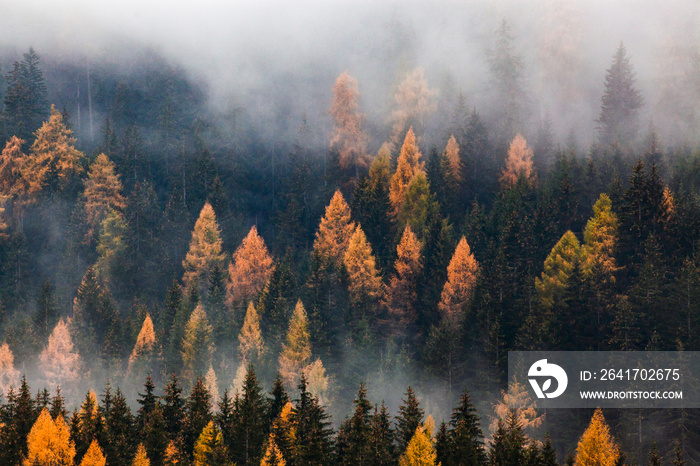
177 286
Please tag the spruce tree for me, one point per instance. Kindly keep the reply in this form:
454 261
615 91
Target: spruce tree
382 438
197 415
355 436
409 419
466 437
251 428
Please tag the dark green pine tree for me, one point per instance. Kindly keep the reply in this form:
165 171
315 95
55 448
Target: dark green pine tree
148 401
43 398
197 415
382 438
654 457
620 103
533 455
273 306
143 216
90 426
26 104
58 405
467 439
570 459
313 444
173 408
85 311
225 419
498 452
354 438
251 427
154 435
278 398
678 459
437 252
11 443
443 445
120 431
409 419
25 413
549 454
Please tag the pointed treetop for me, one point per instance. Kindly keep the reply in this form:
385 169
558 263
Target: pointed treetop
335 231
597 446
348 138
250 269
145 342
454 164
361 268
461 280
250 340
205 250
407 166
558 268
518 163
296 351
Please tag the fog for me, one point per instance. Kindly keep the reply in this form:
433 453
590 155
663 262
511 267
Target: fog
278 60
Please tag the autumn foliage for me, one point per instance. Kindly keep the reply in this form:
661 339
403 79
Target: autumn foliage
461 280
249 270
518 163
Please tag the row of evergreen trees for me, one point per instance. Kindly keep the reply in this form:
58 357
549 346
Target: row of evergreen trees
253 428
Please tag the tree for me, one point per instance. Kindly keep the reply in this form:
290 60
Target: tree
518 163
296 351
420 450
59 362
312 442
141 458
26 98
402 292
197 415
197 344
119 428
409 419
53 161
94 456
9 376
251 429
414 101
143 356
354 438
102 191
250 340
597 446
317 379
12 170
461 280
620 103
273 455
348 137
466 437
249 271
209 449
334 231
507 83
49 442
205 251
558 268
363 276
382 439
407 166
212 383
173 407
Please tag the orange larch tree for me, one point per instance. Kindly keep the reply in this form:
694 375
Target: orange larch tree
402 292
249 271
102 191
348 138
407 166
334 232
461 280
360 264
518 163
205 251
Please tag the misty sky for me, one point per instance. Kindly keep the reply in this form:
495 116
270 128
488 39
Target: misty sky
246 50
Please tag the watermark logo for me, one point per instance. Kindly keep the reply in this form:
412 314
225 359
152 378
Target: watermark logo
546 371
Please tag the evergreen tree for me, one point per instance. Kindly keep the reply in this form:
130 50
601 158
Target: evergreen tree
549 454
506 69
173 407
250 340
654 457
620 102
209 449
296 352
402 292
197 415
154 435
354 438
407 166
251 428
382 438
466 438
409 419
197 345
25 100
120 431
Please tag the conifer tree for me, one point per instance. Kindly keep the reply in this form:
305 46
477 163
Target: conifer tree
212 384
409 419
273 455
210 449
466 437
334 231
94 456
620 103
382 438
420 450
549 454
251 429
120 432
205 251
296 351
25 99
249 271
402 292
197 344
141 458
250 340
154 435
173 407
9 376
518 163
312 442
506 68
597 446
348 137
407 166
414 101
59 361
558 268
197 415
12 170
102 191
274 304
600 241
143 356
461 280
355 433
364 280
419 204
148 402
49 442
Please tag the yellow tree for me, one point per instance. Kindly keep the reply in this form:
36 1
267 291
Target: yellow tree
317 381
209 448
296 351
53 154
414 101
205 251
402 292
9 376
12 162
59 362
600 241
273 455
597 447
197 344
48 443
407 166
250 342
420 450
249 271
172 456
363 276
334 231
558 268
102 191
518 163
144 352
348 138
94 456
453 165
461 280
141 458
